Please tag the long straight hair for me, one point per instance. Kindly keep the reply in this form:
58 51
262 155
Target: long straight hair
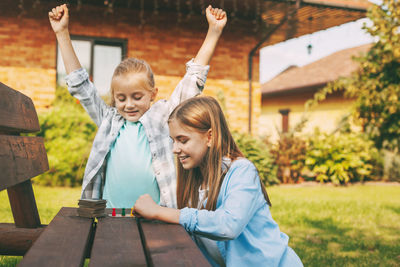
202 114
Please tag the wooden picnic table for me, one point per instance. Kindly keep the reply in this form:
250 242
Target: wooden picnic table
69 239
112 241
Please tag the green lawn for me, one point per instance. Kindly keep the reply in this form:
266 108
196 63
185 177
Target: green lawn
328 226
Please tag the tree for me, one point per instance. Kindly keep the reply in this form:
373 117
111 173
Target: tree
376 85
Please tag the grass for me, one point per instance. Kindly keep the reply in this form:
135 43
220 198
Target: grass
328 226
340 226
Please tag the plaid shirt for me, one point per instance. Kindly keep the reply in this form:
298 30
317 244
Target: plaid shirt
154 121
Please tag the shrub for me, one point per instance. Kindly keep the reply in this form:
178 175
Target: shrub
342 158
68 133
258 152
289 154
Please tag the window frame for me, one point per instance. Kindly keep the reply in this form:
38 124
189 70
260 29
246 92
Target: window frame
94 40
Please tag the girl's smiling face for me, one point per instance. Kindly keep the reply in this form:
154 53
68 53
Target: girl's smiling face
131 98
190 145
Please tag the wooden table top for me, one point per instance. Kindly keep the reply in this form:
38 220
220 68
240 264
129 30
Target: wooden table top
112 241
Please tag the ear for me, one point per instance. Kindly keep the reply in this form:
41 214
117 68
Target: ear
209 137
154 94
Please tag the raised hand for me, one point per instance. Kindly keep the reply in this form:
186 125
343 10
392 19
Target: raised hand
59 18
216 18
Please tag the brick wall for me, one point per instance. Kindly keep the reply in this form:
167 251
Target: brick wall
37 83
235 93
28 52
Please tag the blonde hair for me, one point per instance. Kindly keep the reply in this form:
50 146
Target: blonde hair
201 114
133 65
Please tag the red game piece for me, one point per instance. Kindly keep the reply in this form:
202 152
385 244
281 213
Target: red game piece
113 212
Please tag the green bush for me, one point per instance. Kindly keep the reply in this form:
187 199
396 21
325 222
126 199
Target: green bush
289 156
258 152
341 158
68 133
289 153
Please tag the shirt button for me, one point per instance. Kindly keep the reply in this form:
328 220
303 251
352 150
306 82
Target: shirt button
158 173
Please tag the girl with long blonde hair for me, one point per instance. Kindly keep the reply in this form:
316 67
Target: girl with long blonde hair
221 200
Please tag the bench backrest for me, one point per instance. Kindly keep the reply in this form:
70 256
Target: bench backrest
21 157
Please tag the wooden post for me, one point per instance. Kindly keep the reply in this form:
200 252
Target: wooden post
23 205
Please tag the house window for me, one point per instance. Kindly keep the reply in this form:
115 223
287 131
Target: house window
99 56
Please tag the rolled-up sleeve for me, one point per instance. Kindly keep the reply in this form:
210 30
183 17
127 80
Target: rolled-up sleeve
84 90
188 219
76 79
198 71
191 84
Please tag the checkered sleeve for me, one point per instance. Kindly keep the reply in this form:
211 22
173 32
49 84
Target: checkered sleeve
191 85
84 90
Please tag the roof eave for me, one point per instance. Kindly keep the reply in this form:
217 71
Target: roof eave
328 4
298 89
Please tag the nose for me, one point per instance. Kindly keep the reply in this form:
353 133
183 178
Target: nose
130 103
175 148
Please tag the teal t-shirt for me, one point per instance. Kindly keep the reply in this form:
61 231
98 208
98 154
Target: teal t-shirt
129 172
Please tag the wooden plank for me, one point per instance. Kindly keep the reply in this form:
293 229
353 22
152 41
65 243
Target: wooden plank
21 157
23 205
170 245
17 112
117 243
64 242
16 241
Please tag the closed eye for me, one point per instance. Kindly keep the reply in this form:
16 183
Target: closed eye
183 140
137 96
179 139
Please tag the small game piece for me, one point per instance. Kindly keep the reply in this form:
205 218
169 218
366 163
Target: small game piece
113 212
132 213
123 212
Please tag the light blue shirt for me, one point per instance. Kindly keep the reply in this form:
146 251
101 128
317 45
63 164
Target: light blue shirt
129 172
242 223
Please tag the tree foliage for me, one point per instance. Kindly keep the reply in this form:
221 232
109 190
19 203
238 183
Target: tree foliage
376 86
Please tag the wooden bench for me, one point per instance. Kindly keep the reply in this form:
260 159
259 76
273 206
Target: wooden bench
69 239
21 158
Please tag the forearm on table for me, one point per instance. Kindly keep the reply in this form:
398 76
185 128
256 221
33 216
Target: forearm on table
168 215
